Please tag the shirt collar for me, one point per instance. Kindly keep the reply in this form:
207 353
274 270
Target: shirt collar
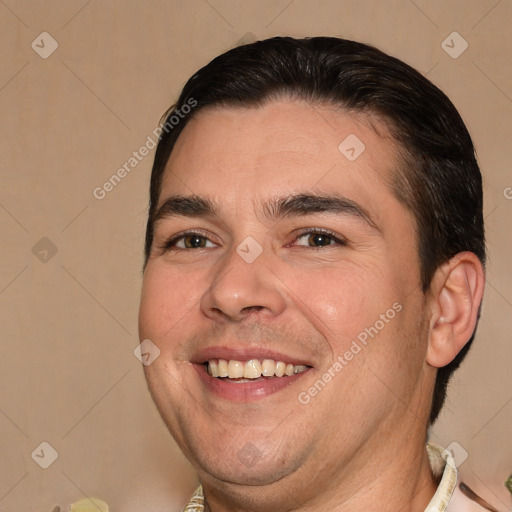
196 503
438 457
441 462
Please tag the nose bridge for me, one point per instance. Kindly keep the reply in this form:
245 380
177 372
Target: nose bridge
243 284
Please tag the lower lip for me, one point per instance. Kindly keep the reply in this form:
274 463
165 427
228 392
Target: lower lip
245 391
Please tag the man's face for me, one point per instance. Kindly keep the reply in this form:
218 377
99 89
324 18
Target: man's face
273 275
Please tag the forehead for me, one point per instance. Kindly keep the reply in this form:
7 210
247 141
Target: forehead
285 146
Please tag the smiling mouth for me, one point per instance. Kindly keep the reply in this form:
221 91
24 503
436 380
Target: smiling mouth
253 369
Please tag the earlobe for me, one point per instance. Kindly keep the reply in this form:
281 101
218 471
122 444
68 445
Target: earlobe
455 296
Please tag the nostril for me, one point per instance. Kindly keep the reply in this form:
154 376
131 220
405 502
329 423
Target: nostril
248 309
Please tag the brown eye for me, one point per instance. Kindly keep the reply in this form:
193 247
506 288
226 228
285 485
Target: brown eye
194 241
188 241
315 238
319 239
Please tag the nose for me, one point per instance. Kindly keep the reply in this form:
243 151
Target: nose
239 290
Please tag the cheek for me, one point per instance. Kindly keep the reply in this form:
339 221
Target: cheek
167 298
342 300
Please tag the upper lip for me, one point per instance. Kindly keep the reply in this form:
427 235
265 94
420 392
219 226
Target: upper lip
245 353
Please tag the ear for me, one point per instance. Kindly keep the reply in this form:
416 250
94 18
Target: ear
454 301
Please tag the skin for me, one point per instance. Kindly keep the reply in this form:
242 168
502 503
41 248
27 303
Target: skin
359 444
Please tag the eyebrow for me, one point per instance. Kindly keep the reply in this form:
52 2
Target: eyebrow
273 209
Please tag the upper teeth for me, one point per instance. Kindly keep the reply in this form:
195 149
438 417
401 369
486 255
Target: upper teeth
251 369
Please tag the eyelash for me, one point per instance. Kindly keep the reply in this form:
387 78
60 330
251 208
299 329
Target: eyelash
170 243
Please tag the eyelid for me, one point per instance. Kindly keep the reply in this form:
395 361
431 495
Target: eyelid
171 241
337 238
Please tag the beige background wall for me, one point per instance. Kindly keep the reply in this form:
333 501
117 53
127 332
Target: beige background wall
69 319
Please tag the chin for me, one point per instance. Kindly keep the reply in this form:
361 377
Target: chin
242 462
237 473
